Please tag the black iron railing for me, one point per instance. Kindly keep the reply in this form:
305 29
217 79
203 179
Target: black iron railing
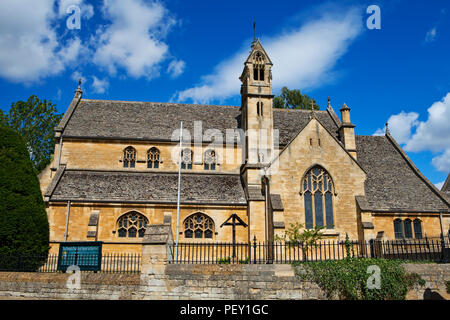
427 249
110 263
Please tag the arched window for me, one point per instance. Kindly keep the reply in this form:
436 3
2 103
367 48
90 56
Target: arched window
131 225
186 159
407 227
318 195
417 229
398 228
129 157
258 67
259 108
153 158
210 160
198 226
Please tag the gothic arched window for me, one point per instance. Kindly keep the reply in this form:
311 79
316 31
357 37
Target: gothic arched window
153 158
417 229
198 226
318 195
398 228
129 157
131 225
186 159
258 67
407 227
210 160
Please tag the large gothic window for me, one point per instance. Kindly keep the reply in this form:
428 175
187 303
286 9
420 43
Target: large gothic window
210 160
186 159
131 225
198 226
129 157
153 158
318 196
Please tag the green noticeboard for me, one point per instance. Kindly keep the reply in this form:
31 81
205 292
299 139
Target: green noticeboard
86 255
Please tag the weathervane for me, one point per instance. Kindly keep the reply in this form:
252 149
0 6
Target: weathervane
254 30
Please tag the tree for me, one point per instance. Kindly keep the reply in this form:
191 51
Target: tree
35 121
294 99
3 119
24 228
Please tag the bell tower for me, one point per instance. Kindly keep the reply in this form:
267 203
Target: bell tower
257 122
256 105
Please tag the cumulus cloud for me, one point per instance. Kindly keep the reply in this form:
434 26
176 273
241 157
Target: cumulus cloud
30 46
400 126
87 10
302 58
430 135
133 40
100 86
176 68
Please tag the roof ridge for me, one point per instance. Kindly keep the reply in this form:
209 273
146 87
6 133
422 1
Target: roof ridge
166 103
297 110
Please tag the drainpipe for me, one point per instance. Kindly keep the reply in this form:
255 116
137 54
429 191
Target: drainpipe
67 221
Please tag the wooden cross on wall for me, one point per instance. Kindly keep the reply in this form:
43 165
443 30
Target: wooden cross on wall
234 217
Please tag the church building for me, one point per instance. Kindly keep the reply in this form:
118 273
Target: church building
115 171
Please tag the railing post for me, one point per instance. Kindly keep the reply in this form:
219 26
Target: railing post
254 249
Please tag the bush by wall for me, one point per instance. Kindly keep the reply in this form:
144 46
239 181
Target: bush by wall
347 279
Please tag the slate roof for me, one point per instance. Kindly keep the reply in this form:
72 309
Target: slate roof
147 187
393 183
157 121
446 186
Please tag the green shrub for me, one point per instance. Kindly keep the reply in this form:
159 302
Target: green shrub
226 260
24 228
347 279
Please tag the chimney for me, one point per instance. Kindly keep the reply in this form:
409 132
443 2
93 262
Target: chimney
347 131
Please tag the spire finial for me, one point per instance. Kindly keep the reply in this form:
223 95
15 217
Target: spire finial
329 102
254 30
78 91
387 127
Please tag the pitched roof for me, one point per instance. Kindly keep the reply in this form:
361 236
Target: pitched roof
393 183
446 186
148 187
104 119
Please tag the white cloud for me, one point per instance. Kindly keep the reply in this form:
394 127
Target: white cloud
442 162
430 135
439 185
431 35
100 86
133 40
30 46
87 10
434 133
176 68
400 126
302 58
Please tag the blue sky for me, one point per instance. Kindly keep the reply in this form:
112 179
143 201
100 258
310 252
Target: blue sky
193 51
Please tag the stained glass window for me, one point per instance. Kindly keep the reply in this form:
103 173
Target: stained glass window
418 229
199 226
318 196
398 229
129 157
408 228
186 159
210 160
153 158
132 224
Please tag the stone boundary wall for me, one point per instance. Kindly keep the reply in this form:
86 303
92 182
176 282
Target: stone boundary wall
234 282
